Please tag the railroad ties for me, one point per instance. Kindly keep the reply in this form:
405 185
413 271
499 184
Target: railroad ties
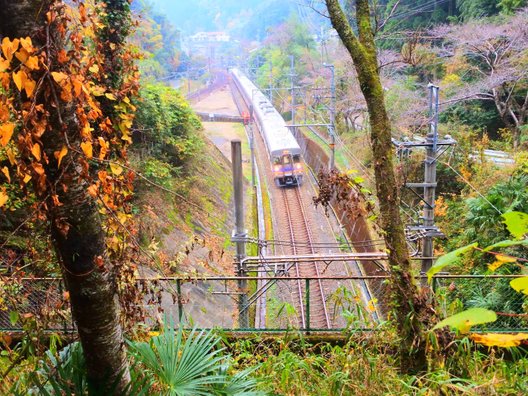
315 314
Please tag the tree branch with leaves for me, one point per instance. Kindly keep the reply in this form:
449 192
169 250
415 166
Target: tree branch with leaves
410 308
65 116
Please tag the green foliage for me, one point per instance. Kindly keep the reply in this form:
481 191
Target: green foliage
366 365
416 14
290 38
158 41
520 285
171 363
517 223
448 259
159 171
483 222
518 226
191 364
477 115
464 320
506 244
471 9
510 6
165 126
64 374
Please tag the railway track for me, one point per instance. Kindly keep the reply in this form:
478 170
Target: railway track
301 241
293 225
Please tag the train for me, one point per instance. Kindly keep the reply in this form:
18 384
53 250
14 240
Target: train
283 150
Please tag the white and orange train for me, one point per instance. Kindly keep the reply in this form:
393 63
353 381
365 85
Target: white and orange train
283 150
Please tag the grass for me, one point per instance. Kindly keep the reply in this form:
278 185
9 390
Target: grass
362 364
366 365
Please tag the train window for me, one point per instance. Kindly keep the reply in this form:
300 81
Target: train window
286 159
296 158
276 161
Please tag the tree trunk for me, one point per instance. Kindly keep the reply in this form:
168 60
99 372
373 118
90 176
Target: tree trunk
408 306
76 225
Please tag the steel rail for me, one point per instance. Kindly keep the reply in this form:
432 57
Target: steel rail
316 267
294 251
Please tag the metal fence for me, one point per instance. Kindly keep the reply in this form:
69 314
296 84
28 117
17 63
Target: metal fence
353 303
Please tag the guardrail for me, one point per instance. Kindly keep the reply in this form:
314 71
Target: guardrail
211 302
215 117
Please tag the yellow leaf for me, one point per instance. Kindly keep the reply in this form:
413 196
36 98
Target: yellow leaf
22 55
104 148
6 131
32 63
94 69
3 198
116 169
87 131
27 44
4 65
35 150
59 77
499 339
123 217
97 91
11 156
27 178
501 259
110 96
5 171
29 86
77 87
9 47
92 190
102 142
87 149
19 78
60 155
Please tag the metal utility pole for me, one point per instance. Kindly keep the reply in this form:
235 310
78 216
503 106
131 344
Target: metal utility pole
292 90
252 149
271 83
239 234
434 147
430 176
331 128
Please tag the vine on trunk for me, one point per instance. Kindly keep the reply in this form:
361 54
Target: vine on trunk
64 121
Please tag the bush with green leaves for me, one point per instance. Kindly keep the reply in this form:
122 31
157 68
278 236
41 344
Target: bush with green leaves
171 363
165 125
179 364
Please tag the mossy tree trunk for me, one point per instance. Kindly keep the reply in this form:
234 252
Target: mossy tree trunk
76 225
409 306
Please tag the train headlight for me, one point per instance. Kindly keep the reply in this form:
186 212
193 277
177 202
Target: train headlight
298 166
277 168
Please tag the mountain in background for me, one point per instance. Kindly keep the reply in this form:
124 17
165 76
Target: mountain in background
244 19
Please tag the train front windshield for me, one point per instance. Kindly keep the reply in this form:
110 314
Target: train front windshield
288 169
287 160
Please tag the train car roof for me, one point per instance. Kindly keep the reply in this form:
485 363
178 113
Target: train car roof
278 138
281 141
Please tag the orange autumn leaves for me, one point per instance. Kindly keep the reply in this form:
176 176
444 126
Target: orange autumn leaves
23 69
20 62
23 50
58 109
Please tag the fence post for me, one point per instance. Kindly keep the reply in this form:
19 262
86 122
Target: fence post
180 304
61 294
307 305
